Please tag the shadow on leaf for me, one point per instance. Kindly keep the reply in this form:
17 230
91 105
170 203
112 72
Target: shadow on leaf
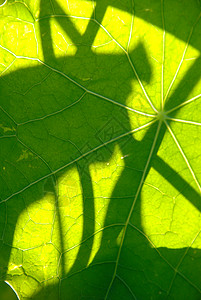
65 119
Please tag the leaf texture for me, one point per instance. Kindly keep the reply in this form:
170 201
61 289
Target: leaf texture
100 138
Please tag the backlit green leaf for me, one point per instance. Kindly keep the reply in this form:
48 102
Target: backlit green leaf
100 149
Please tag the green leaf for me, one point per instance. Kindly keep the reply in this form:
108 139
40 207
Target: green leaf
100 126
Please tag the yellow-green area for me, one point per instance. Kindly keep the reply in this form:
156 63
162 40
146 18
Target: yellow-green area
100 138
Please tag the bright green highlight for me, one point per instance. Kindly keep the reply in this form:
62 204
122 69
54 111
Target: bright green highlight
100 126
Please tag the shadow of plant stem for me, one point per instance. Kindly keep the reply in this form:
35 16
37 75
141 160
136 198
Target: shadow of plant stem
117 211
126 209
88 37
145 10
16 103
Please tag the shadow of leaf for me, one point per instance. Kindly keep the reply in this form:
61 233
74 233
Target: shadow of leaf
56 123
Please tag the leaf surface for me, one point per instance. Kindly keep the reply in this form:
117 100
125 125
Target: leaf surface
100 144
